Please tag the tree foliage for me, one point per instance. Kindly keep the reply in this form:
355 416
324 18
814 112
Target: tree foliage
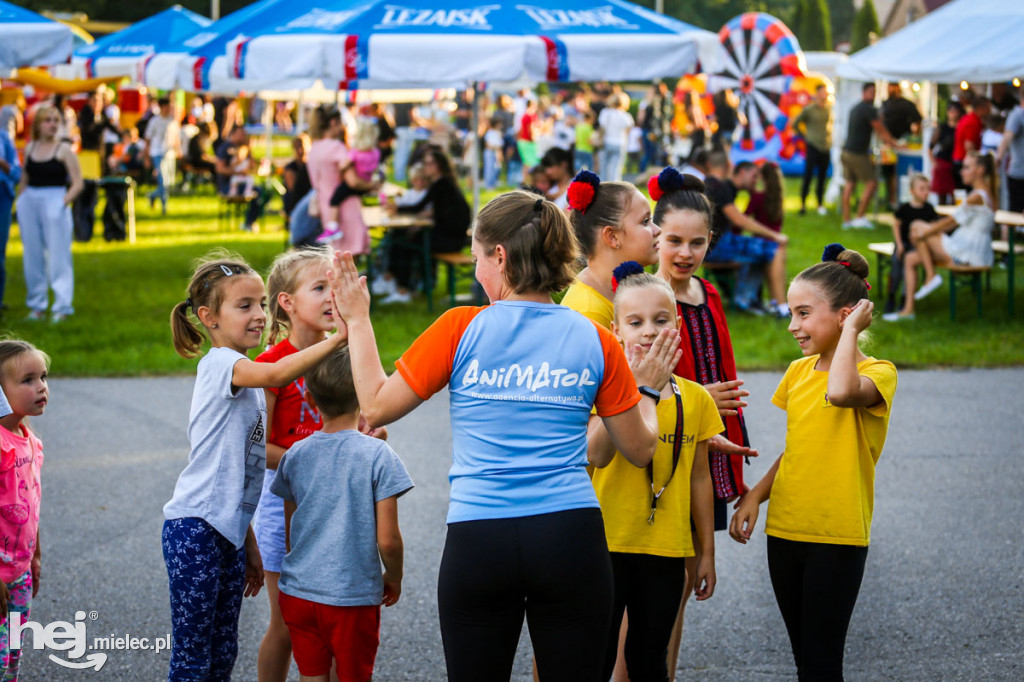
714 14
811 25
864 24
841 13
707 14
128 12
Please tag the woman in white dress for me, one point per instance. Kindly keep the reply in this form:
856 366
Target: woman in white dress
964 238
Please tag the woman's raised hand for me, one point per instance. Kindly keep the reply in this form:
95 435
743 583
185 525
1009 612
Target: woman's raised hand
351 298
654 367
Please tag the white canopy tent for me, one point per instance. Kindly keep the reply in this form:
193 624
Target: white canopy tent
28 39
124 52
973 40
964 40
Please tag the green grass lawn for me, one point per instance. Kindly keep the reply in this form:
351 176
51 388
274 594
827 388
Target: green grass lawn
124 294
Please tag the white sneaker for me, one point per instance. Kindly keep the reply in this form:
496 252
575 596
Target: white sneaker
929 286
382 286
58 317
862 223
822 210
397 297
34 315
848 225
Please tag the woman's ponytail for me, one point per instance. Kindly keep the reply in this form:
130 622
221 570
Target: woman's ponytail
537 238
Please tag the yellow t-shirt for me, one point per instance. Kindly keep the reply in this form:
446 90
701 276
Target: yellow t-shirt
624 490
585 300
824 490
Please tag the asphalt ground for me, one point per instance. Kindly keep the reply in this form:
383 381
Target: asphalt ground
942 598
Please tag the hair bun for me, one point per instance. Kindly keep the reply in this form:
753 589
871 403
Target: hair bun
668 180
832 252
624 270
671 180
581 190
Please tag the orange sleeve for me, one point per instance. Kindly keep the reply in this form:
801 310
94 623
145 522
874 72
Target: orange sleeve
427 365
617 392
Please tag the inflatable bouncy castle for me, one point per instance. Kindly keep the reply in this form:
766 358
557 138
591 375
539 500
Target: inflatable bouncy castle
762 63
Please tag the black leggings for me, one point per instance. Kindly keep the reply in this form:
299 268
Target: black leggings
649 588
552 568
816 587
817 161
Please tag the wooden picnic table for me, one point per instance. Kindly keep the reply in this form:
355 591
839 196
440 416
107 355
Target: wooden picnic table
1013 220
378 217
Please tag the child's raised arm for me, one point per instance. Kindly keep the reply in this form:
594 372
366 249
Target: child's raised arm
846 386
634 433
702 510
391 548
250 374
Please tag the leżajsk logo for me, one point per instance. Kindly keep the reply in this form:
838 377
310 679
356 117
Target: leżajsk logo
321 19
556 19
396 16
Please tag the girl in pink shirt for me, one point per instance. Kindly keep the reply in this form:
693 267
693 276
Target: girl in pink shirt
23 370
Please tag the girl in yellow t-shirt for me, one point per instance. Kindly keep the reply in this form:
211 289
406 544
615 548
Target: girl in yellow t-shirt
613 224
647 511
837 403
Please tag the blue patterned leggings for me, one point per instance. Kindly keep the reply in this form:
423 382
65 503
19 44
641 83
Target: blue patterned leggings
206 575
20 600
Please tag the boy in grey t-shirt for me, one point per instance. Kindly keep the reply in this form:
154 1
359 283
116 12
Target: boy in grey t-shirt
340 490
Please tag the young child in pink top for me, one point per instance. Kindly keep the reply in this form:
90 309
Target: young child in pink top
23 371
365 158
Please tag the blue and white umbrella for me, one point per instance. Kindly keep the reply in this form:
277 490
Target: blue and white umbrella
124 52
432 41
199 63
28 39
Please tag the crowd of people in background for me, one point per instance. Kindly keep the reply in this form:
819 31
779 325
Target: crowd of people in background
532 139
525 517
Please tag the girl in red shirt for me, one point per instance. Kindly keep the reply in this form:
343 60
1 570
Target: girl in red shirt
299 306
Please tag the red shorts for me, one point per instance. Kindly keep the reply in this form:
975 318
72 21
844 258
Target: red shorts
322 633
